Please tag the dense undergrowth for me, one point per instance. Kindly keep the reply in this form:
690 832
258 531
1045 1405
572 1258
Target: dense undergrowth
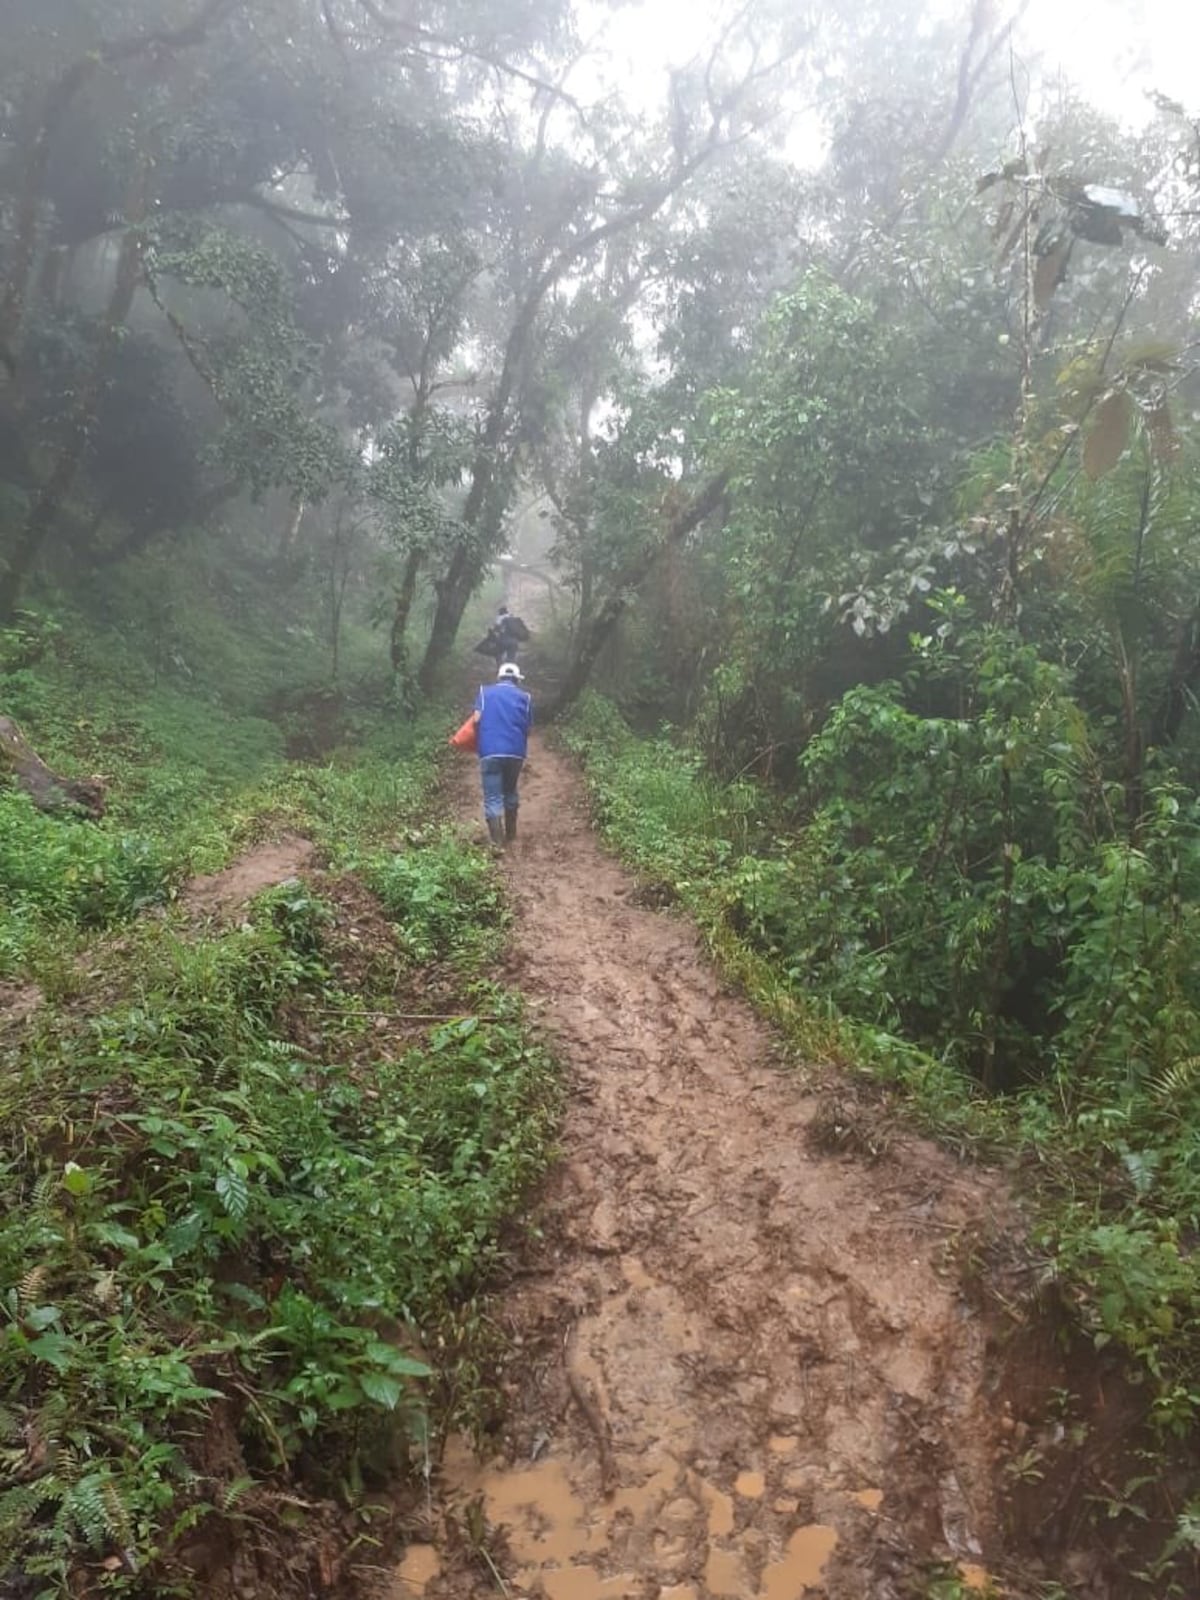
245 1204
868 918
190 738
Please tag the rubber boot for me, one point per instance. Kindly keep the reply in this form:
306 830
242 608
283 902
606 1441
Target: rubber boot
495 827
510 825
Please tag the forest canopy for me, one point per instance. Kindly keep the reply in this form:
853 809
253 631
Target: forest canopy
375 300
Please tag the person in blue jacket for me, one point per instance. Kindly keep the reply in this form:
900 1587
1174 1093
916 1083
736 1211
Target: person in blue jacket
503 718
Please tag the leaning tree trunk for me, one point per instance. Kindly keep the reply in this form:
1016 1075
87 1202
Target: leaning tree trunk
453 593
1183 679
592 641
21 764
481 515
29 541
603 624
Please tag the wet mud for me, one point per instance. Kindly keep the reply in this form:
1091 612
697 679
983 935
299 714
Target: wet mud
262 867
742 1370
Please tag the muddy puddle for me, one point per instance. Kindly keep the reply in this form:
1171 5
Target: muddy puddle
673 1533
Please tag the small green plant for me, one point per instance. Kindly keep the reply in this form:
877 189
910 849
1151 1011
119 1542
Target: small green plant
950 1581
442 897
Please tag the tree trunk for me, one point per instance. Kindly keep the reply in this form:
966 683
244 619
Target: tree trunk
592 641
1181 685
1131 726
291 530
587 591
404 600
21 763
602 626
996 979
29 202
42 517
453 592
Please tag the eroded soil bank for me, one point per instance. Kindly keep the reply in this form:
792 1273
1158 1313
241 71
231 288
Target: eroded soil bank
743 1368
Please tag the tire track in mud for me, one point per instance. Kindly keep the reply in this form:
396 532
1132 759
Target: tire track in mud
743 1370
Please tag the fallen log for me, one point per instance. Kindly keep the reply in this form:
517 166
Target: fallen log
20 763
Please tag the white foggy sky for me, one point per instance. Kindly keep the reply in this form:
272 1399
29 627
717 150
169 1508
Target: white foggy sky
1113 62
1116 65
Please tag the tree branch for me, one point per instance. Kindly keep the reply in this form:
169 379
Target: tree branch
280 210
460 50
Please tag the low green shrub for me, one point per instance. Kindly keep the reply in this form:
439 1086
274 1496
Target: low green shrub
218 1245
54 870
443 895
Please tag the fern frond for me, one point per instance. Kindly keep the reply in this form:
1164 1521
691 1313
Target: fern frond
29 1289
52 1416
234 1491
86 1506
1176 1082
20 1504
67 1462
284 1048
117 1513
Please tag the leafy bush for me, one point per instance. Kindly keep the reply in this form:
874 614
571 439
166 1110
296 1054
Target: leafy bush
206 1231
672 818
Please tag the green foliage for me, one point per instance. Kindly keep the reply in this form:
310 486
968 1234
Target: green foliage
57 871
442 896
257 369
827 464
223 1250
932 885
675 823
197 1211
979 848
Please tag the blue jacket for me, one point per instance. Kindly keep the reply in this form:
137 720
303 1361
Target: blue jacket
505 718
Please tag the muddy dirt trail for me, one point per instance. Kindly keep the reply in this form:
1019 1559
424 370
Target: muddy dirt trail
262 867
743 1367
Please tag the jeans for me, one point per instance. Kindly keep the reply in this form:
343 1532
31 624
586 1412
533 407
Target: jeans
500 776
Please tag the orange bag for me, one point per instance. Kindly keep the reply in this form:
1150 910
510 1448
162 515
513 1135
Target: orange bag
465 738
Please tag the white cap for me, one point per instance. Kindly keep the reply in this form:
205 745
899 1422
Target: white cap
510 669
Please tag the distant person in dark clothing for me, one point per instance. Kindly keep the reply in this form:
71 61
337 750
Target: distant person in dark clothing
509 632
503 718
503 637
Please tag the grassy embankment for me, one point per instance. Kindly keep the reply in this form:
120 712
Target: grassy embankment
253 1173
